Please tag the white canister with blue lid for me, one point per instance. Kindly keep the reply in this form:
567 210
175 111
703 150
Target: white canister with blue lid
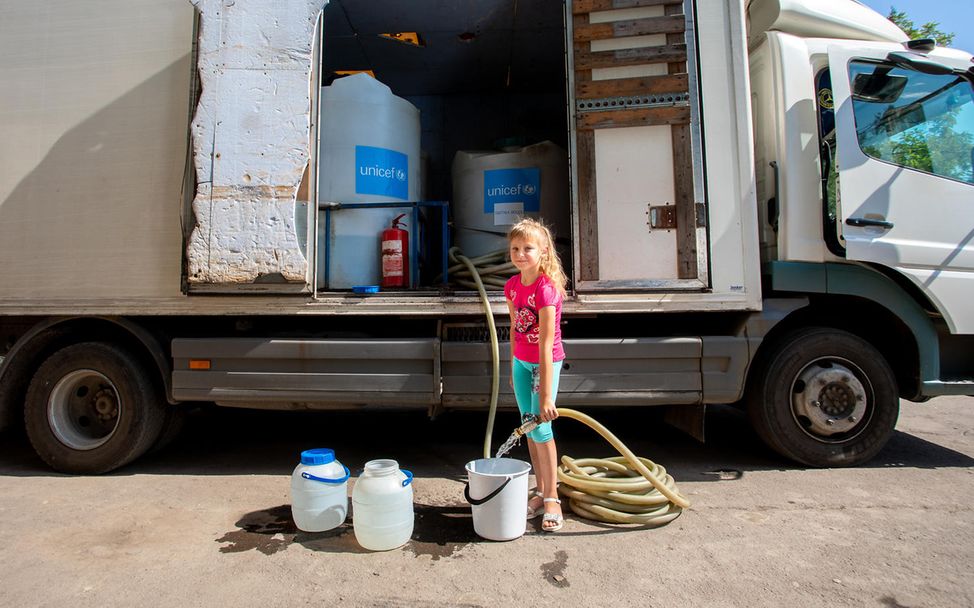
319 491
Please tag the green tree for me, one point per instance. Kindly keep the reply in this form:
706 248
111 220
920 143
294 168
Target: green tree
930 29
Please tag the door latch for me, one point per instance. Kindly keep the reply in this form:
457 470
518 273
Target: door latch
662 217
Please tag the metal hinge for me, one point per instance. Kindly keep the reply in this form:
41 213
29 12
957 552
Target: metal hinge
700 210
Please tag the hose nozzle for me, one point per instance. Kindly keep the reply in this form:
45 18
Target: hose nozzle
530 423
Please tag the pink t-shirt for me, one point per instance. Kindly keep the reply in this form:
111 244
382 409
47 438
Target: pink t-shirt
528 300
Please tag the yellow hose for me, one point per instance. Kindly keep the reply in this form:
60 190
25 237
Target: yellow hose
622 490
495 359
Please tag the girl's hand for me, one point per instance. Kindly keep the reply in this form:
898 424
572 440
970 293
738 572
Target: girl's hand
548 411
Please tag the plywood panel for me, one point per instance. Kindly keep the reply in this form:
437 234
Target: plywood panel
633 170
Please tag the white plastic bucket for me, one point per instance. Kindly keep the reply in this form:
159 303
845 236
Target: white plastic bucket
382 506
319 491
497 490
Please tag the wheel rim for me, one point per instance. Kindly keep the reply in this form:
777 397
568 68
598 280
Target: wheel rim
83 409
831 399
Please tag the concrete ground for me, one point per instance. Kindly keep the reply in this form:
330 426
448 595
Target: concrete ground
207 521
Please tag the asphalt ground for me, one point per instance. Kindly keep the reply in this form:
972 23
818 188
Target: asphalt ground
206 521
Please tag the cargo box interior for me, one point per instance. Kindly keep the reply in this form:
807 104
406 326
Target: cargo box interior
484 76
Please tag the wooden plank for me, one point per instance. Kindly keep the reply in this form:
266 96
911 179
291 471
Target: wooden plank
630 27
622 87
676 67
588 228
686 217
581 75
585 59
638 117
588 6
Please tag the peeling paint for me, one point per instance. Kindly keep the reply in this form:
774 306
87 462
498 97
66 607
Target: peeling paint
251 137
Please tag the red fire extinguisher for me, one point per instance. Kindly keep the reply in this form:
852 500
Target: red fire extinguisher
395 255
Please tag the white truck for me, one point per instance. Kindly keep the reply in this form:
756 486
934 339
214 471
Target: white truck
768 203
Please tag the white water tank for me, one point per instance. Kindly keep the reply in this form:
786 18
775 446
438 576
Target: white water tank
369 153
492 190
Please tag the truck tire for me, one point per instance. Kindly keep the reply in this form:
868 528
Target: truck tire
172 426
824 397
91 408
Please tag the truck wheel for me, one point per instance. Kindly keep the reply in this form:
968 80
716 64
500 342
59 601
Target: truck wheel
825 398
172 425
92 408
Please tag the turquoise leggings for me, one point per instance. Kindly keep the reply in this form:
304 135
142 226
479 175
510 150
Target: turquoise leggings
526 379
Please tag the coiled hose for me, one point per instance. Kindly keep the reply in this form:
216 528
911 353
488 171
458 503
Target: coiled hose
489 271
627 489
622 490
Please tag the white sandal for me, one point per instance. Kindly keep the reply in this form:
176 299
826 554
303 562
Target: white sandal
555 518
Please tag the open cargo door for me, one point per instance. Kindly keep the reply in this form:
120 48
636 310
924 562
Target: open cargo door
639 203
252 149
905 126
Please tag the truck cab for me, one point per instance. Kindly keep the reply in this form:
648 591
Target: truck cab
891 121
856 127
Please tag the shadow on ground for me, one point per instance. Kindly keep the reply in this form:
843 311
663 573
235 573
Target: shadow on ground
221 441
438 532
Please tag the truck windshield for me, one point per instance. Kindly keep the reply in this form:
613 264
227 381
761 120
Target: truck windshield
919 121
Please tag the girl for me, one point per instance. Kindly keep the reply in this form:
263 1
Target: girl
534 299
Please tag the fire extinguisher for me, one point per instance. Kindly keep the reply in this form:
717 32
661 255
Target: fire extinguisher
395 255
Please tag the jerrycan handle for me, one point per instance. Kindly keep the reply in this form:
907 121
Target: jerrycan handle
307 475
409 477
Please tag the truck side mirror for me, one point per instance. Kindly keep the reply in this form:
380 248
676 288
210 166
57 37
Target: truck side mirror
878 87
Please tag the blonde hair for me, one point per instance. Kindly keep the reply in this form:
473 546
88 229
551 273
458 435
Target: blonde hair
534 230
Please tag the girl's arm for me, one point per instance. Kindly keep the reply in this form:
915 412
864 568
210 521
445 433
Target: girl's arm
546 344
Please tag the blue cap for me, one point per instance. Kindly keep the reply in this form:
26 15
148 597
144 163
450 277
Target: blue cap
317 456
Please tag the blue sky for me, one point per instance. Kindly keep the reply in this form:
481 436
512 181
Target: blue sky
954 16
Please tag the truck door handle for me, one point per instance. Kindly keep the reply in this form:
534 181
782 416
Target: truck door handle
865 221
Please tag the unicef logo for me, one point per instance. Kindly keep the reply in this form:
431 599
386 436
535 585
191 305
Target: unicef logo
400 175
529 189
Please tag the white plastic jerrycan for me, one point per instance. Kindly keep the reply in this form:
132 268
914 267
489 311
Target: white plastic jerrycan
319 491
382 506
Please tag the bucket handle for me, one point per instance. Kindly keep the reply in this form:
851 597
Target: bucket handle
307 475
480 501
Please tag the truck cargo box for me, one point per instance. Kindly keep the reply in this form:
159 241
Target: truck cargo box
132 207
